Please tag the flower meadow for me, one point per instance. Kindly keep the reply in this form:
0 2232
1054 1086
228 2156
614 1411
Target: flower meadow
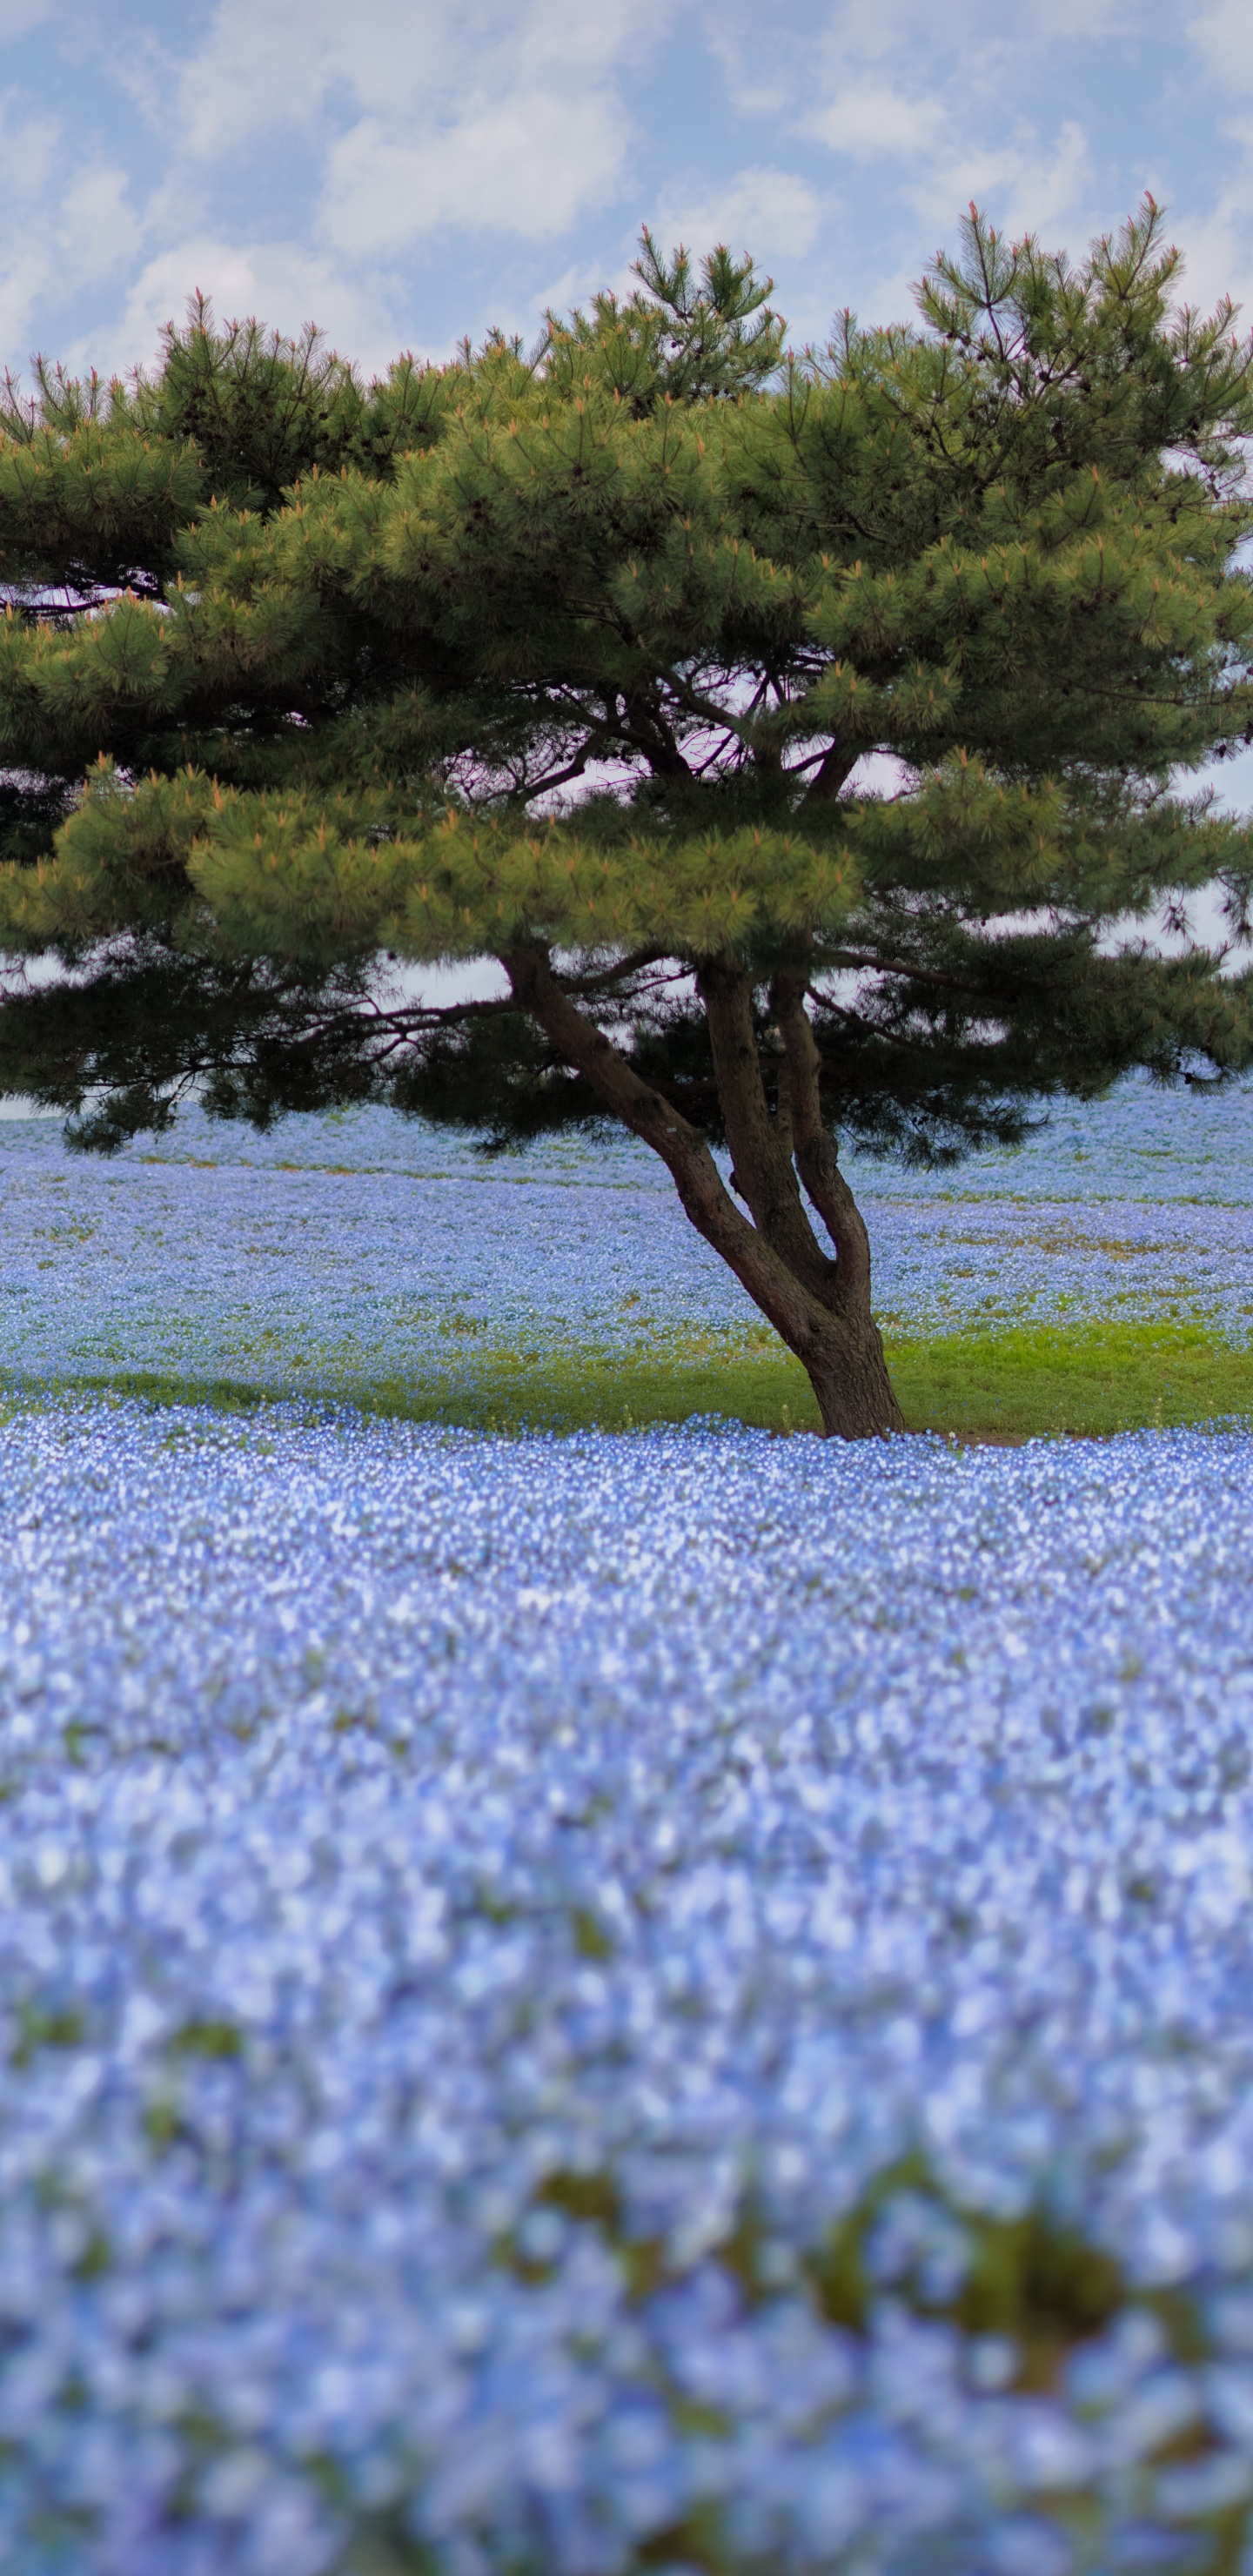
672 2001
341 1247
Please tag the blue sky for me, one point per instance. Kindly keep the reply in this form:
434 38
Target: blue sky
406 170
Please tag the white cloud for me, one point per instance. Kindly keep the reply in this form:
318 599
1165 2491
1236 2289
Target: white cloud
427 145
866 120
1223 36
266 69
497 116
1215 225
85 231
955 113
408 70
518 165
492 120
770 212
95 226
28 147
919 114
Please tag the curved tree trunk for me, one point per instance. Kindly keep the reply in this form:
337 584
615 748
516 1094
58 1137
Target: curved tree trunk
818 1302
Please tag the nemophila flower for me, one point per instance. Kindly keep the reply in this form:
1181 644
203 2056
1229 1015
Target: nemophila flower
579 2004
341 1249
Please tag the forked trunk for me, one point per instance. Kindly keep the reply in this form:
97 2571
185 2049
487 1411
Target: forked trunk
839 1345
818 1303
849 1376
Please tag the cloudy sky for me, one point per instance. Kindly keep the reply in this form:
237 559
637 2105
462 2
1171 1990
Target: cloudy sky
407 170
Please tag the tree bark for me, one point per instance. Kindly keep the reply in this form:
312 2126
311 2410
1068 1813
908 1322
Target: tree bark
832 774
818 1307
816 1161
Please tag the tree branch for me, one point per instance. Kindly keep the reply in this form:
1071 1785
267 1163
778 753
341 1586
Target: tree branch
849 957
645 728
813 1144
797 1315
832 774
633 964
763 1171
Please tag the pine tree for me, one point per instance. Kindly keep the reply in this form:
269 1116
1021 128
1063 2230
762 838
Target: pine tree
572 659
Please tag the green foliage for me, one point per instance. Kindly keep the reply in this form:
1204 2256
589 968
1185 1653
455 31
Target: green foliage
672 340
335 658
253 1039
98 479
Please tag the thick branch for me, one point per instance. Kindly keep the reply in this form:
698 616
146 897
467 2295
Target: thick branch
796 1313
813 1144
711 710
763 1170
434 1015
635 963
831 775
837 959
431 1015
645 727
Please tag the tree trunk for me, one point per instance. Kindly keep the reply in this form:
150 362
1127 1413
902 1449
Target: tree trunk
849 1376
818 1305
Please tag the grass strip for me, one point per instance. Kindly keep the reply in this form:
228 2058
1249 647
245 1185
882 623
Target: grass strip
1087 1380
1021 1383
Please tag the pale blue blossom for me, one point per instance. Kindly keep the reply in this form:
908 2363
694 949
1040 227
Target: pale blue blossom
490 1930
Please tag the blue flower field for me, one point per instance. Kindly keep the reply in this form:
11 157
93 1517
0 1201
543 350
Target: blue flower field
339 1247
678 2001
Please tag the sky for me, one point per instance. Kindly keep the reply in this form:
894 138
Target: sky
406 171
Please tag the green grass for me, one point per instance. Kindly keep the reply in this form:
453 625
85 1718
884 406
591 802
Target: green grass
1084 1379
1017 1383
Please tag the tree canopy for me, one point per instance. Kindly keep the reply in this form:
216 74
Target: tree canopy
803 737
